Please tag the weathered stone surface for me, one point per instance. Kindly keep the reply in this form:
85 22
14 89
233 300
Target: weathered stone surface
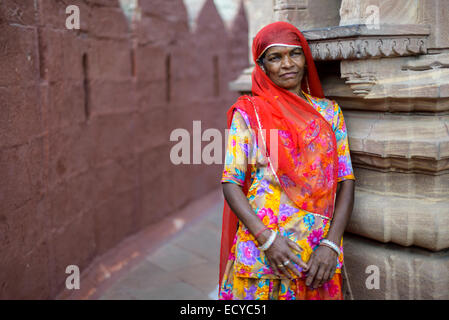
414 185
398 78
405 273
429 12
20 117
386 11
434 13
309 14
85 126
399 141
19 60
390 217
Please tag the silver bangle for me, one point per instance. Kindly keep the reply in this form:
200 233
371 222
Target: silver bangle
332 245
269 242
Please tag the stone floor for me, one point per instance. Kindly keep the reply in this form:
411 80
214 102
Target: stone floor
185 267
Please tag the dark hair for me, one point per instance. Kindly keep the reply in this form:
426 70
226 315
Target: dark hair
261 58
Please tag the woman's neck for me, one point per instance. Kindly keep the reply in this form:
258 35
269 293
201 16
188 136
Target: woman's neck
298 92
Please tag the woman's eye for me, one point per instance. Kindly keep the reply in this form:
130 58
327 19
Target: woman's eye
273 59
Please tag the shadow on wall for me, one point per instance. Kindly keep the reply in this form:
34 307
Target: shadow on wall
85 125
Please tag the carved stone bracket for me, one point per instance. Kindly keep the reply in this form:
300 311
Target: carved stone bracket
361 84
362 42
366 48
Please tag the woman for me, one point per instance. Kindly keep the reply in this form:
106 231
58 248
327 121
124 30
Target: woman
284 217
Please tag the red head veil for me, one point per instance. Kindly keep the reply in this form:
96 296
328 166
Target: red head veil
306 157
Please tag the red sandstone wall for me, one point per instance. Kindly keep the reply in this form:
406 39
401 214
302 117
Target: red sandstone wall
85 122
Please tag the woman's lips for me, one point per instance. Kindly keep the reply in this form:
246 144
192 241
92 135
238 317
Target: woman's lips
289 75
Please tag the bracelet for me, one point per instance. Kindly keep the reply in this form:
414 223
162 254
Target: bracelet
262 230
331 245
269 242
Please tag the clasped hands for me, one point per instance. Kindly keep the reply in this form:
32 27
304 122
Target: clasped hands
320 267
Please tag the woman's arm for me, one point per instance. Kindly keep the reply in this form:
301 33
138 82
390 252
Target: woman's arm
281 249
323 261
239 204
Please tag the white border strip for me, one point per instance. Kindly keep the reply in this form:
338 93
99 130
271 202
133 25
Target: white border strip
278 44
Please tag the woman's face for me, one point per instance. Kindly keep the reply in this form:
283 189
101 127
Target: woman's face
285 67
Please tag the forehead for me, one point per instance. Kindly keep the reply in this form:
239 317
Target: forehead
281 49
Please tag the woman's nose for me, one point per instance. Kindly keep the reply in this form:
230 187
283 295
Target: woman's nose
286 62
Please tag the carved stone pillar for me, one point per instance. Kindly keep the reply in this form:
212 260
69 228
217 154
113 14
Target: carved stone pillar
387 64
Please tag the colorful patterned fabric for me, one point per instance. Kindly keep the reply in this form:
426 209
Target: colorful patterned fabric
248 275
304 158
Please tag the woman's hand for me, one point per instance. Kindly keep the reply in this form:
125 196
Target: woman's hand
279 252
322 265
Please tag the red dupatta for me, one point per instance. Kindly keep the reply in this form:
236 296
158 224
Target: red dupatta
306 160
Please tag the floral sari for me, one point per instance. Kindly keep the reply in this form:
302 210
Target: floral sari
247 274
295 196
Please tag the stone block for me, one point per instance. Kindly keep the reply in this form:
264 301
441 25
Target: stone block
22 176
167 32
153 129
19 57
155 161
21 117
115 176
18 12
76 193
115 219
433 13
405 273
72 150
157 199
110 22
114 136
73 244
151 63
112 97
387 11
109 60
26 276
401 219
410 142
415 185
182 178
62 55
307 14
152 94
66 104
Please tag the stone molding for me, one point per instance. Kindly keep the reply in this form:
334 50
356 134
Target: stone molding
366 48
415 143
363 42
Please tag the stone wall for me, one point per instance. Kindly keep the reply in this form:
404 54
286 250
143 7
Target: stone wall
85 122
